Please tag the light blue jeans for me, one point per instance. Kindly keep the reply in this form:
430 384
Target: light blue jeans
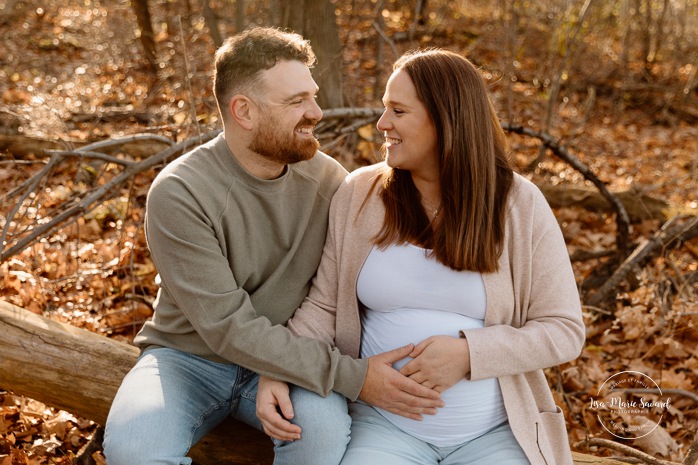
376 441
170 400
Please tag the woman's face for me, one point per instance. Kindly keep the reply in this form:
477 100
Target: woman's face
410 136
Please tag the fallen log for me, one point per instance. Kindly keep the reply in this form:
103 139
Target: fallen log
638 205
79 371
22 147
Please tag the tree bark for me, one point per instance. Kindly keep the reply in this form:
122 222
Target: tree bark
145 25
79 371
639 206
316 21
21 147
212 22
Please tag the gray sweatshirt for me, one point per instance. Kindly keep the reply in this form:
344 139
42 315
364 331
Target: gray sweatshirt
236 255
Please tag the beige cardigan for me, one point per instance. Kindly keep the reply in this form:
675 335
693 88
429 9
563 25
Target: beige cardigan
533 317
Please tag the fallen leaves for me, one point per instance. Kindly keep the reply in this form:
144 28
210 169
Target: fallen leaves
32 433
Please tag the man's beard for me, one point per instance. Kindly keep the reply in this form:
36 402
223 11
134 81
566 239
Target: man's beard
273 144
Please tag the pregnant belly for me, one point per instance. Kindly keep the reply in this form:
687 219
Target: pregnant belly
471 407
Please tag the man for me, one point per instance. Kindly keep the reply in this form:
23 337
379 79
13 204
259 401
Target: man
236 229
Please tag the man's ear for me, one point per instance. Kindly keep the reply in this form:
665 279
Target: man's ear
243 111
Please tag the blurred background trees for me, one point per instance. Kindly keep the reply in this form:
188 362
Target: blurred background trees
90 89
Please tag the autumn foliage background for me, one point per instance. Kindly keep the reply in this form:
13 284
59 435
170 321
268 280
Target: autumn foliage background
614 82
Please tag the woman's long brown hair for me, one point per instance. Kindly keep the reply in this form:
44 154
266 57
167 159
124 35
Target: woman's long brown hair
474 171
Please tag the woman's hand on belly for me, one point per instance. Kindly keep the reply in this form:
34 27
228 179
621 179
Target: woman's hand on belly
439 362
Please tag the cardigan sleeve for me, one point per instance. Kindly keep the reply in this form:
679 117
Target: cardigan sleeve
316 317
544 326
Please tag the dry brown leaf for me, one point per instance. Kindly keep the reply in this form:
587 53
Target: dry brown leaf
42 447
658 442
678 380
60 424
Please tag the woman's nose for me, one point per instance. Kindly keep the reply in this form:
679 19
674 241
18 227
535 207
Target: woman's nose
383 124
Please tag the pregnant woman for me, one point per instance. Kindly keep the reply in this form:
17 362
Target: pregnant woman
444 247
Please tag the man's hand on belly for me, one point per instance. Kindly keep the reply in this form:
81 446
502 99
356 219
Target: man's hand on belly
386 388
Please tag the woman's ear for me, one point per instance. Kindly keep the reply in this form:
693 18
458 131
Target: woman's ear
242 111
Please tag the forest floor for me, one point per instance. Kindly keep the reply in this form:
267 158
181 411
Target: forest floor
73 72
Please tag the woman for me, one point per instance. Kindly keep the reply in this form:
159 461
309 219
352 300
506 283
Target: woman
442 245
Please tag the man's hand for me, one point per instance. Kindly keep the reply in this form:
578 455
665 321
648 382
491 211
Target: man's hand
386 388
439 362
273 401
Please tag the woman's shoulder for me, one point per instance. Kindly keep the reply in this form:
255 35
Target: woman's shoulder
527 204
362 179
358 190
366 173
525 193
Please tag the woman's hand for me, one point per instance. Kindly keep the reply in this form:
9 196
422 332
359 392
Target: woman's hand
274 409
439 362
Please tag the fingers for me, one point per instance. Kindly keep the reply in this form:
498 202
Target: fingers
419 348
386 388
428 397
274 409
410 368
285 406
420 378
279 428
405 407
394 355
413 398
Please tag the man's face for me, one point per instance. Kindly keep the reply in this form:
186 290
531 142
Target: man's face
288 114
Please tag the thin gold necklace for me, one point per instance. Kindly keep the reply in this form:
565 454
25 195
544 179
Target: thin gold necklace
434 211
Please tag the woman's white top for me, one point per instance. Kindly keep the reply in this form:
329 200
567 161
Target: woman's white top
408 297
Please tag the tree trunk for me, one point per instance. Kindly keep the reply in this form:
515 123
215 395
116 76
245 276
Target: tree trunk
316 21
145 25
80 371
211 19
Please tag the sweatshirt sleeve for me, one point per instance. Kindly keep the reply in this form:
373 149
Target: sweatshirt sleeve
199 280
551 330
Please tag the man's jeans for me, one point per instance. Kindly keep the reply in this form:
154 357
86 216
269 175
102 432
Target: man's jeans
171 399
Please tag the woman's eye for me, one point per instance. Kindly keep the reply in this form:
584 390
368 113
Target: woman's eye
398 111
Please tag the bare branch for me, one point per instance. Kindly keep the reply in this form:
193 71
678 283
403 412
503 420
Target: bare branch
126 140
622 219
102 193
668 234
90 154
681 392
30 184
339 113
385 37
627 450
